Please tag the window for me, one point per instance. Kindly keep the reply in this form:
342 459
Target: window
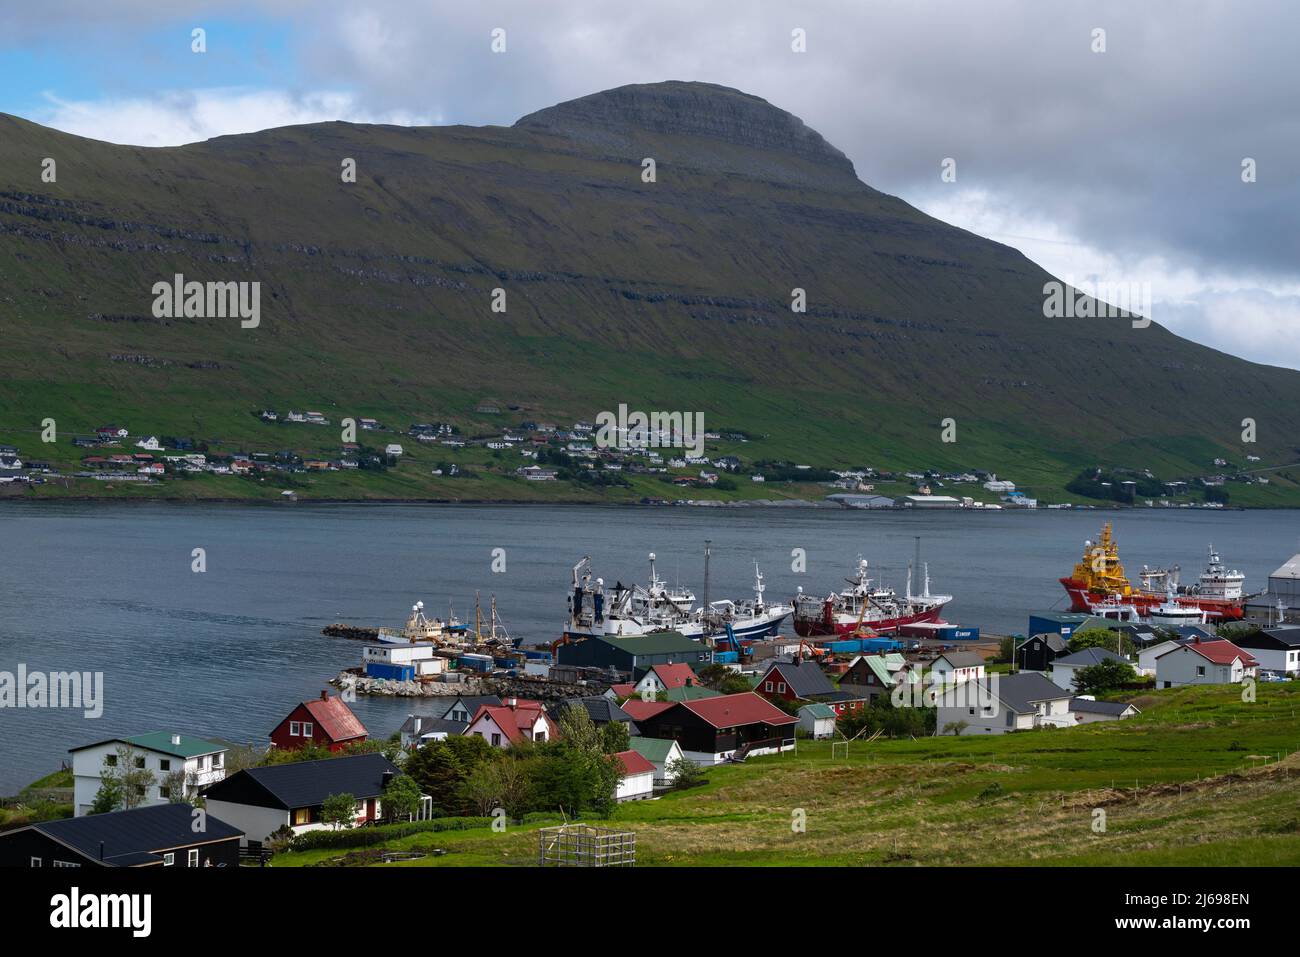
36 862
169 859
139 763
193 858
540 736
218 761
164 764
1200 671
780 687
295 729
496 740
301 816
110 760
63 864
164 792
307 729
768 686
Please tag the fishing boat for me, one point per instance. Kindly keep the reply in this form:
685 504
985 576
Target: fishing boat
866 605
420 627
1099 577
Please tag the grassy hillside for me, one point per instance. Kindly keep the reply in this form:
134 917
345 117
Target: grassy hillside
1195 780
672 295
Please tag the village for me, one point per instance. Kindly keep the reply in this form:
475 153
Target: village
558 739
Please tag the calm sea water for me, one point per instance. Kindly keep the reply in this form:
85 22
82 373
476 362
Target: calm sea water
227 653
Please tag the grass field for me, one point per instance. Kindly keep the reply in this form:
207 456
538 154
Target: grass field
1195 780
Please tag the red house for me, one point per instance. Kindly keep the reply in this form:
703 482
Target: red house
327 721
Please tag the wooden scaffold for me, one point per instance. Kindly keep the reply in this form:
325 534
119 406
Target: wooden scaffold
583 845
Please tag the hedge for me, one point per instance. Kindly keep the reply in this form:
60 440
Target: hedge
381 833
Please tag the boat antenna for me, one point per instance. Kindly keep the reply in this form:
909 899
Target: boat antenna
707 543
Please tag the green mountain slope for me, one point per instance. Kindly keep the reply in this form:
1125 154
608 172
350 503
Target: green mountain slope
671 295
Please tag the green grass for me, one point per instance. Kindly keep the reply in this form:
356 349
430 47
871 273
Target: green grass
1193 781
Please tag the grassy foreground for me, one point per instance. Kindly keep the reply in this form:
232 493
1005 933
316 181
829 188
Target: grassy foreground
1196 780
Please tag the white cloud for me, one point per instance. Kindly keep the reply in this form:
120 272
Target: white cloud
175 118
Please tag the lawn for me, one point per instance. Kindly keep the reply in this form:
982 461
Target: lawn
1195 780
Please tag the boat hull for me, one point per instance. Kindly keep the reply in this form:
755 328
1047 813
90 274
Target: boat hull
1216 609
841 626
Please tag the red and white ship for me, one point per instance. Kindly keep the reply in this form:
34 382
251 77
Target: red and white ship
1099 585
865 606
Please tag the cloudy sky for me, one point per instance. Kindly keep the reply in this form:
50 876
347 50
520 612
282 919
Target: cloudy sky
1116 166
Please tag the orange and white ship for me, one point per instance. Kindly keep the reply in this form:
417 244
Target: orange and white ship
1099 583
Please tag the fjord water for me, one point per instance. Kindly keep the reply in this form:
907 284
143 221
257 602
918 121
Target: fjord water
227 652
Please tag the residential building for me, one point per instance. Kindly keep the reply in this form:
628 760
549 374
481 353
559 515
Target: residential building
513 721
327 721
1037 652
260 801
600 709
637 781
1276 649
714 730
156 835
1088 710
954 667
1204 663
818 720
662 753
996 704
160 752
665 677
1065 666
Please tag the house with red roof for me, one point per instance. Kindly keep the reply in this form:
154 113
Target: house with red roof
638 708
513 721
665 677
327 721
638 780
728 727
621 691
1217 662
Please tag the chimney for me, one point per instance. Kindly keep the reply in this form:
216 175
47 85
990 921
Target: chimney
324 695
512 703
176 739
386 779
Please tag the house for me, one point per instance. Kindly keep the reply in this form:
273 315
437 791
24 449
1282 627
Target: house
639 709
1276 649
715 730
161 752
1088 710
665 677
620 691
795 680
818 720
150 443
261 801
1215 662
418 729
393 450
1147 656
402 661
10 463
111 433
1037 652
996 704
638 779
634 655
1064 668
870 676
661 752
600 709
155 835
464 706
689 693
327 721
954 667
514 721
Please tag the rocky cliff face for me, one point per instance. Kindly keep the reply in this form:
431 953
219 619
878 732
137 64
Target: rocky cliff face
729 127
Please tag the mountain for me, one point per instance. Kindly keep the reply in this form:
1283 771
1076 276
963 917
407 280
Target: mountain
666 295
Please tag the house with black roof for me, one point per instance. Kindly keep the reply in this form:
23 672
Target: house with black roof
802 681
1276 649
600 709
1038 652
156 835
260 801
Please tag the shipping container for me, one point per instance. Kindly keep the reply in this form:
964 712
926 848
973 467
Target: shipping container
378 669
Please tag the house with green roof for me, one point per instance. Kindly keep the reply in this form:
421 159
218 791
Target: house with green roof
660 752
874 675
818 720
175 766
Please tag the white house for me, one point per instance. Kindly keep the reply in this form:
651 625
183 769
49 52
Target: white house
159 752
1000 703
511 722
1217 662
1276 649
393 450
1147 656
1064 668
638 780
150 443
957 666
818 720
661 752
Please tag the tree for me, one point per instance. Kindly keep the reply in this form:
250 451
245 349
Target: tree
577 728
684 773
176 785
133 779
956 727
1102 677
338 810
401 798
109 795
439 767
615 737
723 680
1006 650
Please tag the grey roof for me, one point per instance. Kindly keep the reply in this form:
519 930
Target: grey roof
309 783
1051 639
1284 634
601 709
1099 707
805 678
1020 692
440 725
1090 656
131 838
962 659
471 703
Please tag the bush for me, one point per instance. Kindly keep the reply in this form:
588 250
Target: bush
381 833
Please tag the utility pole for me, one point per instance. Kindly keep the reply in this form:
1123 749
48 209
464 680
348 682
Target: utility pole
707 543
